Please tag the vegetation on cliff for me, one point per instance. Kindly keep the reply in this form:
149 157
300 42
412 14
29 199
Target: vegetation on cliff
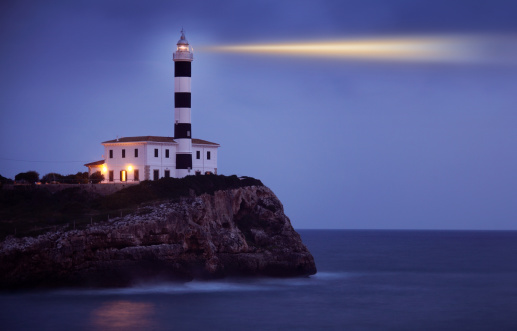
32 210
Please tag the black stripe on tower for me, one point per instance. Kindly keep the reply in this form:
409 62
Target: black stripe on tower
182 69
182 100
182 130
183 161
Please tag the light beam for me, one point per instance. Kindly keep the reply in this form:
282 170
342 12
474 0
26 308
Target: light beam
421 49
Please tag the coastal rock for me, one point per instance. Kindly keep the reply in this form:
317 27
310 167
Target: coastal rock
241 231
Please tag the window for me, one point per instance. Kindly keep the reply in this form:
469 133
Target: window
156 152
156 174
123 176
123 153
167 153
208 155
111 175
136 152
111 153
198 155
136 174
167 173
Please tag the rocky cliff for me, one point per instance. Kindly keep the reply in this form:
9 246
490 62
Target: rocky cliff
241 231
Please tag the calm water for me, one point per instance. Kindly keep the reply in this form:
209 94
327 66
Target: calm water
367 280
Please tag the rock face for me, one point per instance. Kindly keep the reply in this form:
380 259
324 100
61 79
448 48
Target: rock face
241 231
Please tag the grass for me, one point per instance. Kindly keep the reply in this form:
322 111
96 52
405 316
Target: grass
28 211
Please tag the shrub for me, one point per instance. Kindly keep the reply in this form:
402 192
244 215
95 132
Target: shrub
4 180
30 177
96 177
78 178
52 177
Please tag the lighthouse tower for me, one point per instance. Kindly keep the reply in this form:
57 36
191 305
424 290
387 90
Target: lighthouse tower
182 125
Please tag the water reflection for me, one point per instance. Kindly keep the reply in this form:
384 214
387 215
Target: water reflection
123 315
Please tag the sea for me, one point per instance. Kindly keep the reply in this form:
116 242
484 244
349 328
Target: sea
366 280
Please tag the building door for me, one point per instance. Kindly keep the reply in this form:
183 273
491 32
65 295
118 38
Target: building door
137 175
167 173
111 175
123 176
156 174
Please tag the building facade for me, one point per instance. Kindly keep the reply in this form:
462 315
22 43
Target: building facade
133 159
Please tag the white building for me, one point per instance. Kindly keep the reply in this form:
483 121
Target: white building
132 159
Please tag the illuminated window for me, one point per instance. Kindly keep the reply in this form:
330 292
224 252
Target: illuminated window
123 153
123 176
156 152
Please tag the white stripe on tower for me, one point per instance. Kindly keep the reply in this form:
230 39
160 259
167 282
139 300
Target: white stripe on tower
182 126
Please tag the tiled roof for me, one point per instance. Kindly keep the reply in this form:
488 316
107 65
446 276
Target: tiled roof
203 142
141 138
156 139
96 163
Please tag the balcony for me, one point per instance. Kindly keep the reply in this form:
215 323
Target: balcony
179 55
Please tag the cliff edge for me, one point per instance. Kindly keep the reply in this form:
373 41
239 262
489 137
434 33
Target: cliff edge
240 231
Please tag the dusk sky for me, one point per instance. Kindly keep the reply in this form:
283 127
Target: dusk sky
348 143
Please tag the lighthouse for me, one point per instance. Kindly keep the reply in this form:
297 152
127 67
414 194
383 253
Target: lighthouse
182 58
149 157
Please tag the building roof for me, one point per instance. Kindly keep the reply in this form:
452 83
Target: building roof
156 139
140 138
203 142
96 163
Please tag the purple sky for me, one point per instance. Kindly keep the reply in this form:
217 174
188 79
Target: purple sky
344 144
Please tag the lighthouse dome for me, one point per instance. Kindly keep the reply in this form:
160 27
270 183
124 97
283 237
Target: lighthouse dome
183 40
183 52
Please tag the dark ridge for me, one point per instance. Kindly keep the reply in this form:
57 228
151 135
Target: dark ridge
174 188
31 211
